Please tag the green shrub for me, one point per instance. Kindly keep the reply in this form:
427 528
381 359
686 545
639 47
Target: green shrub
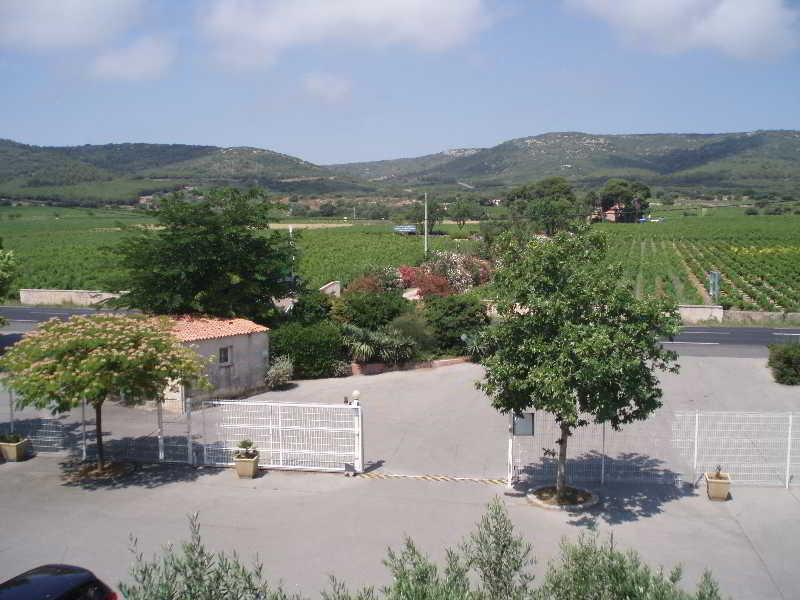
784 360
414 326
314 349
371 310
10 438
279 373
311 307
494 562
454 316
365 346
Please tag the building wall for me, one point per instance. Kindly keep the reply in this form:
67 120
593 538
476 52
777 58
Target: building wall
245 373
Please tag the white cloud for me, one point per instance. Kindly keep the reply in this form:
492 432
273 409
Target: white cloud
54 24
738 28
255 32
331 89
146 58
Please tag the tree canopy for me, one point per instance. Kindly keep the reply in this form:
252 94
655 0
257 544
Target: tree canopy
215 256
631 196
416 214
571 339
551 203
130 358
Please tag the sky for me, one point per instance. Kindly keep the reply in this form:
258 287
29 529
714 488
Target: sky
352 80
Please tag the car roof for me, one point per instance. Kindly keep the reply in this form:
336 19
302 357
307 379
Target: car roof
47 581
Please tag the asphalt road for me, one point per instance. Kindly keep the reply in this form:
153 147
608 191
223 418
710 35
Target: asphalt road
698 341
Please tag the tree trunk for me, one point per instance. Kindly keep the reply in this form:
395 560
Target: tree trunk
98 427
561 474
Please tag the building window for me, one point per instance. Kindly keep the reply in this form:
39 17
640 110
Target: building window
226 355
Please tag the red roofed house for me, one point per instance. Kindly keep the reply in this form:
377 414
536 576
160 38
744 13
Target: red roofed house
239 349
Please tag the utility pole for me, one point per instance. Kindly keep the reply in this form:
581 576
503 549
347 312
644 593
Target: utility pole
426 225
354 213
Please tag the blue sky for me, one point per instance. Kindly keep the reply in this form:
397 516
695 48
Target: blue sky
347 80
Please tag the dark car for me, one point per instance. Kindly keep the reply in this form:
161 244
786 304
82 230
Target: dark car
56 582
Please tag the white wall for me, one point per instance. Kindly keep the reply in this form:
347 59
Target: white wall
696 313
56 297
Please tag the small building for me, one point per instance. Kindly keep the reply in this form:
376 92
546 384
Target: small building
238 350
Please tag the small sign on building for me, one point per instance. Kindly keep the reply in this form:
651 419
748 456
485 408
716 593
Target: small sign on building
523 424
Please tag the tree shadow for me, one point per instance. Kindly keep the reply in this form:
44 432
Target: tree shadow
144 475
9 339
47 434
636 486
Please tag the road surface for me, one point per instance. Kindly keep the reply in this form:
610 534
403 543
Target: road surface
696 341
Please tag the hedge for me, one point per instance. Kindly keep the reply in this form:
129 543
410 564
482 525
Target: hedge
315 349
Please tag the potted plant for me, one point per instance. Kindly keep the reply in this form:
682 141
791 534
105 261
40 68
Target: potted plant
13 447
246 460
718 484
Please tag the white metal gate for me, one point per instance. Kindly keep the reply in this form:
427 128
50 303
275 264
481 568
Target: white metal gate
312 437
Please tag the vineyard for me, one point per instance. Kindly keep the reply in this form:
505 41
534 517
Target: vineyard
758 256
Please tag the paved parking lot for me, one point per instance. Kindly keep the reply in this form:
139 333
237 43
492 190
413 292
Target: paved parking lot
306 526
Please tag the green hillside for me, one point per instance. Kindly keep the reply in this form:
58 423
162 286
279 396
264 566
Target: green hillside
119 173
763 160
381 170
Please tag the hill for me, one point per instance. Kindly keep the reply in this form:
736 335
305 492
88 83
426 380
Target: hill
119 173
381 170
761 160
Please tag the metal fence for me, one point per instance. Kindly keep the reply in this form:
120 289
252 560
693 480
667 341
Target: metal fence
755 448
318 437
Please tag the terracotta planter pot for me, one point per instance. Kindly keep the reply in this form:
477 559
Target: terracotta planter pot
246 468
718 485
14 451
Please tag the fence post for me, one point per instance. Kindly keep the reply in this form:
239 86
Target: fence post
603 459
696 434
83 429
11 407
160 418
358 423
280 435
189 448
789 451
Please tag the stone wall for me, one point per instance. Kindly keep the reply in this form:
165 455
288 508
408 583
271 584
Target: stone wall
697 313
58 297
760 317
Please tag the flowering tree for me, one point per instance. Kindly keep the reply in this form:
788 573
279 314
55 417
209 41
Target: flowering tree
98 358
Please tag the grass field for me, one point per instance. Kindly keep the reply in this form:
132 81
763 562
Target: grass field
758 256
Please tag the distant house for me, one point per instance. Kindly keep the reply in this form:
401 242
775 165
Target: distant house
238 350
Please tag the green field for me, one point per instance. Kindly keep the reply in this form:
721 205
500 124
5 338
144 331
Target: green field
759 256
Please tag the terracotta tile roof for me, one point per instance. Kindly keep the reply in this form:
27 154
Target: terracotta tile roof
194 329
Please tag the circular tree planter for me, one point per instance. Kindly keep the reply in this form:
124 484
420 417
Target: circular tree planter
575 499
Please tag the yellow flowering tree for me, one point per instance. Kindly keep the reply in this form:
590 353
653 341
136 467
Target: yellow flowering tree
101 357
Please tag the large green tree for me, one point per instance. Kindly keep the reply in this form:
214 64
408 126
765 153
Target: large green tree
416 214
463 210
98 358
631 196
215 256
551 203
572 340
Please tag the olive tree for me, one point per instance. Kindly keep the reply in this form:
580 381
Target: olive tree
572 339
98 358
